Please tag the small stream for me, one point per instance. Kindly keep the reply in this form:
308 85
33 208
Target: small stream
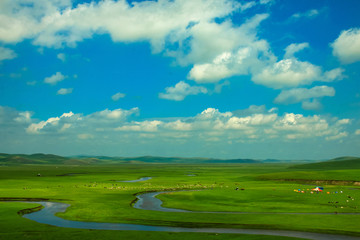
138 180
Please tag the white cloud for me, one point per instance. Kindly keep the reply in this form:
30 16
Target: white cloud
7 54
234 51
247 5
300 94
117 96
181 90
357 132
13 124
333 75
213 113
64 91
308 14
57 24
287 73
116 114
47 22
24 117
347 46
343 121
20 20
35 128
213 124
294 48
179 125
211 129
293 73
61 56
80 124
313 104
145 126
253 109
54 79
337 137
267 1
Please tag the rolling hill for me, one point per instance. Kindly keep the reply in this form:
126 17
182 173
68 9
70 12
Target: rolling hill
40 158
333 164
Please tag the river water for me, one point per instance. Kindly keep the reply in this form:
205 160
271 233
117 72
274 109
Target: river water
138 180
47 216
148 201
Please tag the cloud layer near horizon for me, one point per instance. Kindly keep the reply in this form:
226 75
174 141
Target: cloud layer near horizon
210 124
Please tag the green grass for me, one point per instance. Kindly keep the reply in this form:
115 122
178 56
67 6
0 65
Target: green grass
95 195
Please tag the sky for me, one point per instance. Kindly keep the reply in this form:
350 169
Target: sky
262 79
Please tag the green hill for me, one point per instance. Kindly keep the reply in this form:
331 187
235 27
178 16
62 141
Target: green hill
40 158
333 164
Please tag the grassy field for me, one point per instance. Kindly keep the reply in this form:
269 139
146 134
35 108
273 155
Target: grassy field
95 194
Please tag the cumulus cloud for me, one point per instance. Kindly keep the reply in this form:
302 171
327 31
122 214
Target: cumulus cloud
287 73
19 20
235 51
54 79
57 23
347 46
116 114
178 125
117 96
11 119
105 119
181 90
7 54
35 128
300 94
293 73
188 37
120 128
333 75
253 109
64 91
294 48
145 126
313 104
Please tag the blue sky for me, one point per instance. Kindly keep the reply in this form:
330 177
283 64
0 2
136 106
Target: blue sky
217 78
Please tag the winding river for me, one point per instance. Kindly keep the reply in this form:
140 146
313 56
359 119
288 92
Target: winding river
148 201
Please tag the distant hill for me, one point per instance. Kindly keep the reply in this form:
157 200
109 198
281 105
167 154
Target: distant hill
40 158
336 163
233 161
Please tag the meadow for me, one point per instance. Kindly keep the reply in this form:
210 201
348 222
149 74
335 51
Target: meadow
262 191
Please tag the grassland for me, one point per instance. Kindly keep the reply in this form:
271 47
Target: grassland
95 194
